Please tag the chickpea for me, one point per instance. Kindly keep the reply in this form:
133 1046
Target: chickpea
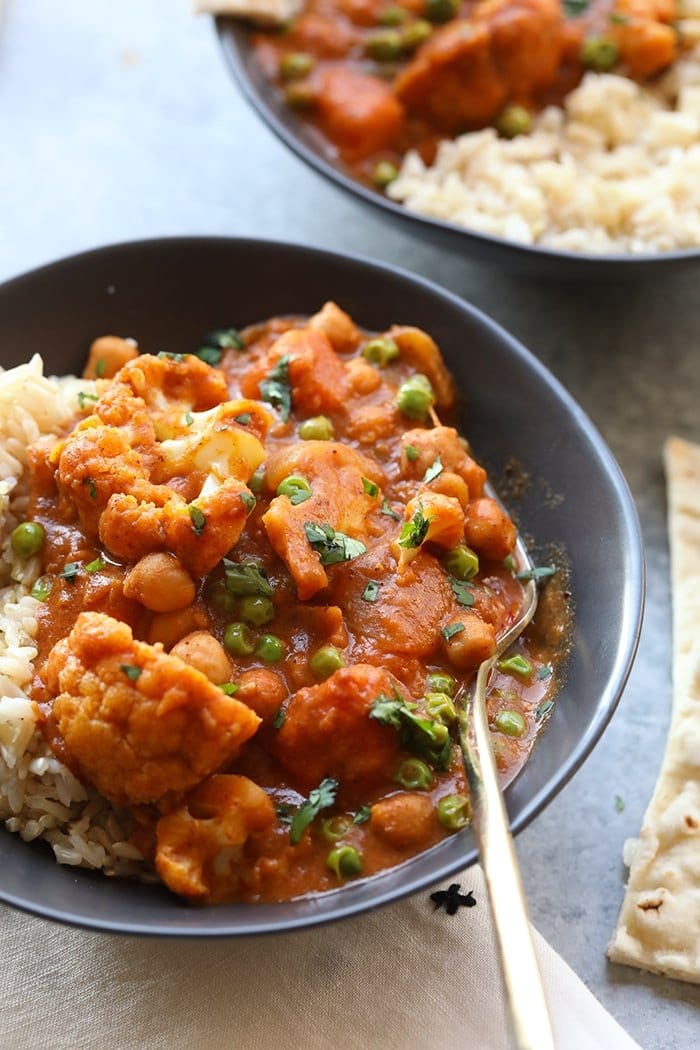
160 583
201 650
449 484
338 326
107 355
468 648
263 691
488 529
168 628
363 378
405 820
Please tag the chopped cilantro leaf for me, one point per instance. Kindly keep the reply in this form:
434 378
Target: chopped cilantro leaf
363 814
248 500
244 419
211 355
83 397
69 571
371 591
452 629
619 804
284 812
541 572
463 592
198 519
89 484
331 546
412 453
166 355
131 671
214 343
279 719
42 588
388 512
414 531
544 708
229 688
95 566
433 471
370 488
276 389
246 579
320 798
544 672
574 8
422 736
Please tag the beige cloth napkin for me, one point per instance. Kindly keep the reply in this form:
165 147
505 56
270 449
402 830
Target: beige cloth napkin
406 977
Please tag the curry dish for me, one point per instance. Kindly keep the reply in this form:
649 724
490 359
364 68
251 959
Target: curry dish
267 567
378 77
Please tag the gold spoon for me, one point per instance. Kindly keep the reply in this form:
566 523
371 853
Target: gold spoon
532 1028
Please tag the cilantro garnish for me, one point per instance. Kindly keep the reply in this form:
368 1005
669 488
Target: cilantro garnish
284 812
544 672
388 512
421 736
619 804
95 566
83 397
370 488
244 419
363 814
42 588
89 484
131 671
452 629
167 355
246 579
414 531
544 708
541 572
69 571
229 688
574 8
371 591
214 343
248 500
276 389
198 519
463 592
433 471
320 798
331 546
279 719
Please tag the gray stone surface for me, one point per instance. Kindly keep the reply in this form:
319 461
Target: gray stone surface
118 121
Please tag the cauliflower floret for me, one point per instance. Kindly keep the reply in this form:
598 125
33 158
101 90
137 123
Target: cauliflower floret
159 476
200 845
435 519
338 498
328 731
139 724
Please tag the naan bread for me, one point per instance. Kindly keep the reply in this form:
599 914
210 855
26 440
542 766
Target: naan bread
659 925
263 12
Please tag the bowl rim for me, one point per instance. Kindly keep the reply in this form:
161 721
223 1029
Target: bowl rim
233 33
627 642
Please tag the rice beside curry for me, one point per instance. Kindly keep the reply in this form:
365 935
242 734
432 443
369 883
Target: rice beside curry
240 590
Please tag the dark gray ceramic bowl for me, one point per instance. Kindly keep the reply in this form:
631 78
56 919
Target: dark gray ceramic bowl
530 261
166 294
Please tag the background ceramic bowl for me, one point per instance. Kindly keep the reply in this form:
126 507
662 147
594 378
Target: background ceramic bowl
528 260
166 294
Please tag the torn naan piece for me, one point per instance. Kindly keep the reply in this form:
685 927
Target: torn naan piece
262 12
659 924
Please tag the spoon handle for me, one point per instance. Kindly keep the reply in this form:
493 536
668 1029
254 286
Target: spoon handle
532 1028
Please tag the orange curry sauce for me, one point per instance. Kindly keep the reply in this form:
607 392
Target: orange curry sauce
214 750
379 77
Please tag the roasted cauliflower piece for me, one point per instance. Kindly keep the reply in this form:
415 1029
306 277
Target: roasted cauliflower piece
433 518
338 498
140 725
328 731
201 844
155 473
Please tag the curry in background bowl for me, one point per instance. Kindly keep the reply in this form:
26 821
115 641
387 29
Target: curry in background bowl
245 676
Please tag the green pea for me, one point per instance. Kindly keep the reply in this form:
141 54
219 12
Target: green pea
415 34
384 173
345 861
334 828
27 539
442 682
238 639
318 428
512 121
301 95
415 397
440 11
326 660
270 648
380 351
42 588
220 598
384 46
256 609
599 53
454 812
414 775
257 481
392 16
440 707
511 723
295 65
295 488
516 665
461 562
